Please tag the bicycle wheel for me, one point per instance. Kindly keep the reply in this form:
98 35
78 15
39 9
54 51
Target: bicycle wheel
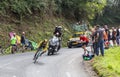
37 55
8 50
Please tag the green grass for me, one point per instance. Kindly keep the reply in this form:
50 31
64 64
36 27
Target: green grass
109 65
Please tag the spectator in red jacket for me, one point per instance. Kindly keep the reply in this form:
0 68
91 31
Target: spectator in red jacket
84 40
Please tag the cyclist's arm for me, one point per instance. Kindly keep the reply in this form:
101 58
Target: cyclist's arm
39 44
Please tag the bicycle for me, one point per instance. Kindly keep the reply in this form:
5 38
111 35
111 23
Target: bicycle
6 50
38 54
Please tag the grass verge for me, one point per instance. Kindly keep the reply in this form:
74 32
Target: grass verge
109 65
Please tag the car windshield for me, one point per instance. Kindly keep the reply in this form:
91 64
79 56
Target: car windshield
75 35
80 28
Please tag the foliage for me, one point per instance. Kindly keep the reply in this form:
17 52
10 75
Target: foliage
78 9
108 66
21 7
111 13
81 9
102 11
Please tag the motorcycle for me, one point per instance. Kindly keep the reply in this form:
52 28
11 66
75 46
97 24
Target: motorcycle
53 45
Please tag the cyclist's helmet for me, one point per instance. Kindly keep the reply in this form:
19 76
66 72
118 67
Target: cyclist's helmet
45 40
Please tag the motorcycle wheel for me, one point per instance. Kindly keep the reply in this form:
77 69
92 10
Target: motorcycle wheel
48 53
52 53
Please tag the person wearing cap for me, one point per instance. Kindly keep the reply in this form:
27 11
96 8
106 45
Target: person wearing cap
42 46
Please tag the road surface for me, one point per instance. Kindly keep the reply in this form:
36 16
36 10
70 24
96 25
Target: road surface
66 63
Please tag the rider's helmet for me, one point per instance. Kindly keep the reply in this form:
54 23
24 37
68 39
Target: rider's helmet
45 40
60 27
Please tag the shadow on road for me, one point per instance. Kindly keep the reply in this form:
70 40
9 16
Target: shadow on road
55 54
39 63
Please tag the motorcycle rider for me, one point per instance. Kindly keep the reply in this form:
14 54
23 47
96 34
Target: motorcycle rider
58 29
42 45
58 33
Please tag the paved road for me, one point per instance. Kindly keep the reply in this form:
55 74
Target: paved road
67 63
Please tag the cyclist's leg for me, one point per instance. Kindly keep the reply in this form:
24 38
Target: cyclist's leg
42 53
36 53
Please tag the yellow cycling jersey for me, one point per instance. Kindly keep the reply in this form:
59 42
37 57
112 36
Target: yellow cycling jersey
45 47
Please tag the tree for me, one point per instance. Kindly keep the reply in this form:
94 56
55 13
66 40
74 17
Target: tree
111 13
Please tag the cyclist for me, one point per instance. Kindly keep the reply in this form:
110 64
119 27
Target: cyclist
43 45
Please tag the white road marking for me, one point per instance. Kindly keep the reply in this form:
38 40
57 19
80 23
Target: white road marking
68 74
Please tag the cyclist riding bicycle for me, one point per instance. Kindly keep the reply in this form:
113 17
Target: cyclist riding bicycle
43 46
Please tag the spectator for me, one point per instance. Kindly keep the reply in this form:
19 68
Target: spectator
84 40
93 38
105 36
110 38
23 41
118 36
114 33
13 42
99 41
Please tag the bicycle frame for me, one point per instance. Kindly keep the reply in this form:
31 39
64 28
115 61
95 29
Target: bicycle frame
39 51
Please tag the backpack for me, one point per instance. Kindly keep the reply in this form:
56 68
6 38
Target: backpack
88 56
